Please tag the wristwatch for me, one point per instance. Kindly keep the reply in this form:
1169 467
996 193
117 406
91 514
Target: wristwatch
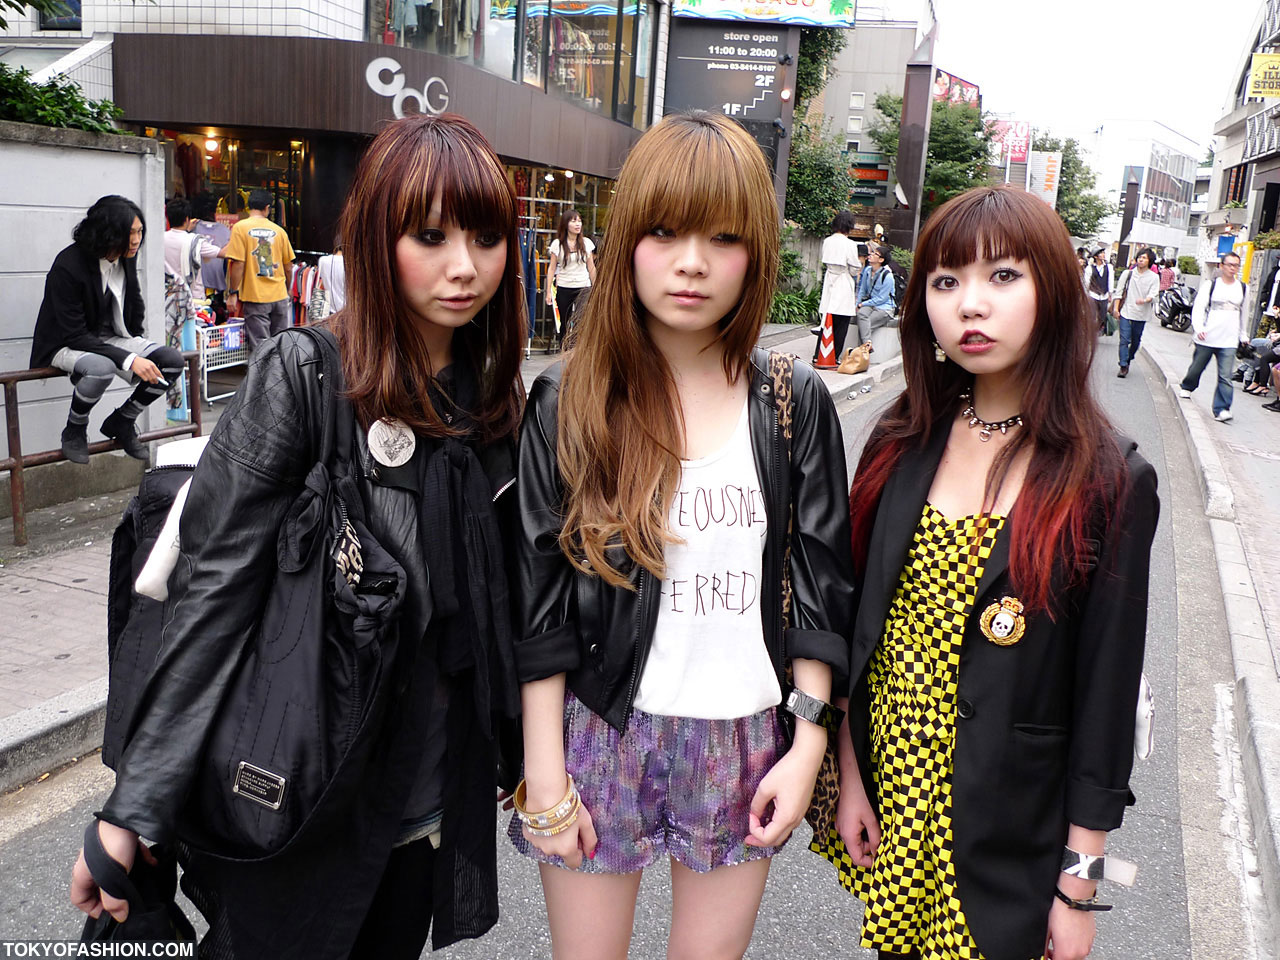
800 704
1091 905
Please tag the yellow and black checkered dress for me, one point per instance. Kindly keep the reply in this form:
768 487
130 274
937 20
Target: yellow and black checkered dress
910 891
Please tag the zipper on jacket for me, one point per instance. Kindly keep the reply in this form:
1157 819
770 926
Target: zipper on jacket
635 657
775 563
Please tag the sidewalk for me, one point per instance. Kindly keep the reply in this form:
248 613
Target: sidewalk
1239 466
53 658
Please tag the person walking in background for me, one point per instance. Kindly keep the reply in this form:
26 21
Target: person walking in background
839 295
90 326
1100 284
330 293
875 293
260 261
572 269
1135 305
1218 327
185 254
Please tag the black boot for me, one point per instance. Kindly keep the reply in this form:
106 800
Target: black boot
124 432
75 443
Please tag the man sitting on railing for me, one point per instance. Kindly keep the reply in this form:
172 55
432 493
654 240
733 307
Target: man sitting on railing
90 325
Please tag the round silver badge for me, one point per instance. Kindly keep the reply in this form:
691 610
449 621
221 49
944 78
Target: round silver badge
391 442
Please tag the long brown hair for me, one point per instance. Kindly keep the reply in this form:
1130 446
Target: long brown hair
619 427
1076 469
562 234
384 358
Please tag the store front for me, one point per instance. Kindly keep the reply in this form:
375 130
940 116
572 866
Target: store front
303 143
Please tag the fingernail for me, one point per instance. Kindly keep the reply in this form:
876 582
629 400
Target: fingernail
592 854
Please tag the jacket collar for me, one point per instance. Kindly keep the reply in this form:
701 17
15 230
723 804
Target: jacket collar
897 518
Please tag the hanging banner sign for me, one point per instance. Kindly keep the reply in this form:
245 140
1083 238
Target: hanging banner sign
1045 172
805 13
1264 75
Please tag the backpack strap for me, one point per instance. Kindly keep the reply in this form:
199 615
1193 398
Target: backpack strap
336 436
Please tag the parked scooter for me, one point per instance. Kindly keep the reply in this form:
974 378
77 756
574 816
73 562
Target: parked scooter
1173 307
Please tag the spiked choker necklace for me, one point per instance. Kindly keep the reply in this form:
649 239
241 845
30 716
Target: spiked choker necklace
987 427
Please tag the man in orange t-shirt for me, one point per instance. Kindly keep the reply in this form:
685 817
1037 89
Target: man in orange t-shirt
259 262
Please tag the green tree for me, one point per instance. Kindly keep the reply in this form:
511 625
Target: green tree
959 154
818 47
818 179
1080 209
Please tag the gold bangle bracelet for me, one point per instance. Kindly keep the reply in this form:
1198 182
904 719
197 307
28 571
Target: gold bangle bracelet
550 816
555 830
559 824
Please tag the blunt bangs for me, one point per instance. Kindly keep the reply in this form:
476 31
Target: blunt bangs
474 190
692 177
984 225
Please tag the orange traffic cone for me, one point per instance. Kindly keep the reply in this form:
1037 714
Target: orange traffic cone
826 356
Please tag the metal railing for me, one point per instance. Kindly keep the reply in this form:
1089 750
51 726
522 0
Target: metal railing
17 461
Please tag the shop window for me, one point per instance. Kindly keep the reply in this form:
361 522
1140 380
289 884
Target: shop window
534 47
66 18
582 61
479 32
637 36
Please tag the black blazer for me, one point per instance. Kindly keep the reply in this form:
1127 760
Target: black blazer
1044 728
76 311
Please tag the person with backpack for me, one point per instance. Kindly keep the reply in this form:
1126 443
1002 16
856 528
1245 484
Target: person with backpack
1219 324
409 403
877 293
1100 285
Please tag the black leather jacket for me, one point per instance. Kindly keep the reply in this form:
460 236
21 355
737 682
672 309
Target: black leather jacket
571 621
251 471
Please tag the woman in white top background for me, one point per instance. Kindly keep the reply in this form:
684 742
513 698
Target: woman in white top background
840 284
572 269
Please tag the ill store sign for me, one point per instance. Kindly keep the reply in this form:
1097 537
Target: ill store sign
1264 75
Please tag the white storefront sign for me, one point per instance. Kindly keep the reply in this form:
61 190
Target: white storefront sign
1044 172
432 98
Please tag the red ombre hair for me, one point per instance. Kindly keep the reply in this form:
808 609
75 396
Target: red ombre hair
1076 472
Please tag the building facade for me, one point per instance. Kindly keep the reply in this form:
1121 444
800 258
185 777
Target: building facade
284 94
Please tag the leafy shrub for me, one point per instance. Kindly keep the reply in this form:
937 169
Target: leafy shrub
902 256
795 306
54 103
1189 265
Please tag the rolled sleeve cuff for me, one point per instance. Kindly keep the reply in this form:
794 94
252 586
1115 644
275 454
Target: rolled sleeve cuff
1094 807
127 362
823 646
551 652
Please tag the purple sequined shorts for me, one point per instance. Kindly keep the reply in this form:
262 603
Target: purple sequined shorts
674 785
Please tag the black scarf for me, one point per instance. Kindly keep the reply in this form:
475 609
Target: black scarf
463 550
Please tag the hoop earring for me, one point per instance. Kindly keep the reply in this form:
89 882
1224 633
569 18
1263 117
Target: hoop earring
939 354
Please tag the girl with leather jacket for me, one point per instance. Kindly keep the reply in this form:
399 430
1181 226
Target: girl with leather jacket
656 504
430 341
1002 536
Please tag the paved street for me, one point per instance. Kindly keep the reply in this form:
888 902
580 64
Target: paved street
1186 834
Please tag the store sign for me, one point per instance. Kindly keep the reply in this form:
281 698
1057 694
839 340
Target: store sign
432 98
948 88
805 13
868 159
1264 75
870 190
868 173
1010 140
1044 172
727 69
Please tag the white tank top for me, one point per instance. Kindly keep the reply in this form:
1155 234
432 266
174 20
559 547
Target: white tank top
708 658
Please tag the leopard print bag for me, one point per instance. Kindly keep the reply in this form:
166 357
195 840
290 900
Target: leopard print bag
821 814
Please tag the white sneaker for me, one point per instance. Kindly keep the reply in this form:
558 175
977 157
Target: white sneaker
1222 416
1185 394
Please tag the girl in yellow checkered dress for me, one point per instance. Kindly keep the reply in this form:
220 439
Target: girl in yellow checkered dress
1002 533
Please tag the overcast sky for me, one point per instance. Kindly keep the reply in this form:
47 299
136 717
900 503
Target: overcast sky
1068 67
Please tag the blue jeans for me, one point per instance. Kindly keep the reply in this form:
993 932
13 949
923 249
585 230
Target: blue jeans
1130 338
1226 362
